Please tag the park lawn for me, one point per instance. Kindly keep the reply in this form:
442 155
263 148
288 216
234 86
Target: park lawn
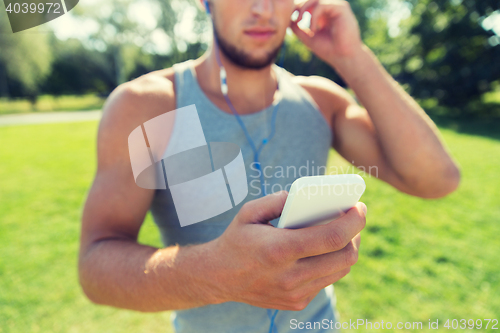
419 259
48 103
45 172
431 259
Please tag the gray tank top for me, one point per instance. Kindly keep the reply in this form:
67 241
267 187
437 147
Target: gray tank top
299 148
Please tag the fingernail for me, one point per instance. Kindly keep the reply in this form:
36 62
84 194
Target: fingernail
363 207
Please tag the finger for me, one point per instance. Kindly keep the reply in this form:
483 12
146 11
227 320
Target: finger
317 12
327 264
357 241
309 291
323 282
303 35
330 237
264 209
305 6
321 14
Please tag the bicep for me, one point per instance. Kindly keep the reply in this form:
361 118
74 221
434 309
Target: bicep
356 139
116 206
354 135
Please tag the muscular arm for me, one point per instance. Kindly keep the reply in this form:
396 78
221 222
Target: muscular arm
392 136
393 132
113 268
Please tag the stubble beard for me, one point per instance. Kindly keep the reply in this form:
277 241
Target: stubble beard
242 58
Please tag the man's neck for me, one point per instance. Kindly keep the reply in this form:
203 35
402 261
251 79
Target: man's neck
250 90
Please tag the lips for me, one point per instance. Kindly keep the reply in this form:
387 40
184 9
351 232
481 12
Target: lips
260 34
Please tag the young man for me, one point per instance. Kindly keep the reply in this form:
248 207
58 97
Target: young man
223 274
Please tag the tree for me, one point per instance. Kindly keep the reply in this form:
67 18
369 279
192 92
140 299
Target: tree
125 28
77 70
25 59
447 54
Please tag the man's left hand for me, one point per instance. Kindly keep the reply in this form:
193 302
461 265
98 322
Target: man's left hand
334 31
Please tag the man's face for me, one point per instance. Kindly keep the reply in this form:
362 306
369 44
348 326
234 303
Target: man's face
251 32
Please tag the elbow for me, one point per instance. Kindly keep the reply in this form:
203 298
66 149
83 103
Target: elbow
444 184
91 288
86 284
90 295
87 277
455 182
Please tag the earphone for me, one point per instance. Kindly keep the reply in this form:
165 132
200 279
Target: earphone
225 89
256 151
207 9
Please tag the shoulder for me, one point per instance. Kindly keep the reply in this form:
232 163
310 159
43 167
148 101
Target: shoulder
142 98
330 97
134 102
130 105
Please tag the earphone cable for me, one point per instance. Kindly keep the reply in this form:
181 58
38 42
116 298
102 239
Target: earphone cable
224 90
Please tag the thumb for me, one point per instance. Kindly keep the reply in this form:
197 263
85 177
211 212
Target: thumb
262 210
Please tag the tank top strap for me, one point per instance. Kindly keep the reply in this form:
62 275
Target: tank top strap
185 81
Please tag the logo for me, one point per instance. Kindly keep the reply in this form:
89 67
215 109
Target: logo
25 14
205 179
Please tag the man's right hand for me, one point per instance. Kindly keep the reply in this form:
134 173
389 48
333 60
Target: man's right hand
284 269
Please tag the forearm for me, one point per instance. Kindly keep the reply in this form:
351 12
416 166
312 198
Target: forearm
125 274
408 138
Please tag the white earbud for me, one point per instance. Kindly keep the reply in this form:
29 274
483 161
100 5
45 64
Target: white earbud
223 81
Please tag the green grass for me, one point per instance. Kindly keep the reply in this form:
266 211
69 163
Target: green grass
46 103
431 259
420 259
45 172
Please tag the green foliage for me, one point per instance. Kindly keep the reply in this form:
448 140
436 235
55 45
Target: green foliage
299 60
128 41
117 32
446 54
78 70
24 58
365 11
154 62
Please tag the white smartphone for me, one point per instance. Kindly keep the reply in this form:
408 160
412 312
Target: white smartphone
318 200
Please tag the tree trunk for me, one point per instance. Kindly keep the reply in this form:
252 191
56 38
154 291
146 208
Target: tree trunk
119 65
4 84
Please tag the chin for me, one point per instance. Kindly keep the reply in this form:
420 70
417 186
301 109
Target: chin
248 55
258 62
